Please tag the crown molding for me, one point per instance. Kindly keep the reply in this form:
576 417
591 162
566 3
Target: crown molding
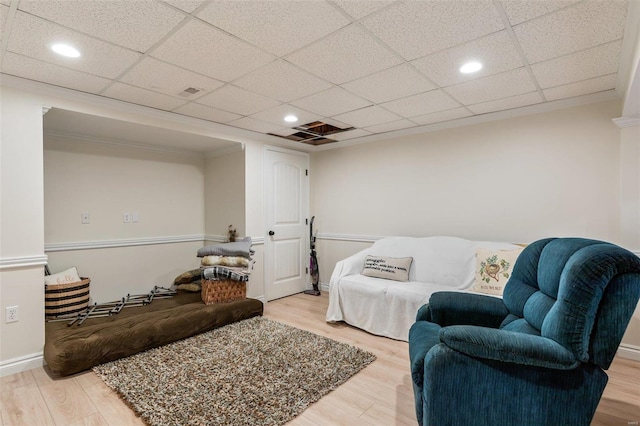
607 95
23 262
225 151
119 143
623 122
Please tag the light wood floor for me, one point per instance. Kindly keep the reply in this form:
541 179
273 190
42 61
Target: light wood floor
381 394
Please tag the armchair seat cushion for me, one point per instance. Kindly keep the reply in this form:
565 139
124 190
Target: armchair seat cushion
508 346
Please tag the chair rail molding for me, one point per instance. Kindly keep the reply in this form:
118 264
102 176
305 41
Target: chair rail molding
349 237
144 241
23 262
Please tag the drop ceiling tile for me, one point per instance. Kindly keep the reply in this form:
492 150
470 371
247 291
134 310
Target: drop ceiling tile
366 117
249 123
418 28
33 69
359 9
507 103
5 2
593 85
279 27
569 30
438 117
209 51
186 5
237 100
345 55
390 127
349 134
285 132
422 103
390 84
137 25
601 60
519 11
4 12
135 95
276 115
283 81
193 109
331 102
496 52
32 36
165 78
498 86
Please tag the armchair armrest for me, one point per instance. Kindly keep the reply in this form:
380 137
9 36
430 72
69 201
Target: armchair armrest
455 308
508 346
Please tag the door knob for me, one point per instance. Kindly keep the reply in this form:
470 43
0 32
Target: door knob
271 233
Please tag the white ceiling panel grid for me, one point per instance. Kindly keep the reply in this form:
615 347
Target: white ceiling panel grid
137 25
376 65
418 28
275 26
345 55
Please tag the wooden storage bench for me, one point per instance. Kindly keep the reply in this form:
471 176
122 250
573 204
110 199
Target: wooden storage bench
69 350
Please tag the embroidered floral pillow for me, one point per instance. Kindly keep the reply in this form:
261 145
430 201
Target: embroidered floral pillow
493 270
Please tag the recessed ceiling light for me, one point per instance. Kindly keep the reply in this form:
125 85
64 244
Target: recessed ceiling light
470 67
291 118
65 50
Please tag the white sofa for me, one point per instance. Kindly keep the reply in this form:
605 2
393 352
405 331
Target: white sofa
388 308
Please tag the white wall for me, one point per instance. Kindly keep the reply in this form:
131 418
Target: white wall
21 223
515 180
555 173
224 195
165 189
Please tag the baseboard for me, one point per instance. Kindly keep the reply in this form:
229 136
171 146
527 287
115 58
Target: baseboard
20 364
629 352
324 286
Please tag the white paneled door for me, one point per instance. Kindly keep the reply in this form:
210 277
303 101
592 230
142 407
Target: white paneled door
286 203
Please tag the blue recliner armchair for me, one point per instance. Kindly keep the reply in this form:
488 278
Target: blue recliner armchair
536 357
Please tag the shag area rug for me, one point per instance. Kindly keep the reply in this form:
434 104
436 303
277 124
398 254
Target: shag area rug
253 372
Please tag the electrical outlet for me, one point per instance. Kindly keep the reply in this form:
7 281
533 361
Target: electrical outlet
11 314
126 217
85 218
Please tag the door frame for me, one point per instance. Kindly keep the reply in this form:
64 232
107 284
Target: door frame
267 255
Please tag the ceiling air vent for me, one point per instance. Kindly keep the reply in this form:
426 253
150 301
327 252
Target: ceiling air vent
314 133
189 91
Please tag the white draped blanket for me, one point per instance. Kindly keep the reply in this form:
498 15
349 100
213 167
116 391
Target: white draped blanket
388 308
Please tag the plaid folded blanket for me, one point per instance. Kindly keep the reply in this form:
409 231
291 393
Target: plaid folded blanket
222 273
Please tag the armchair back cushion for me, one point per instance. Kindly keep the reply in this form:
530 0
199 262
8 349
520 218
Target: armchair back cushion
567 289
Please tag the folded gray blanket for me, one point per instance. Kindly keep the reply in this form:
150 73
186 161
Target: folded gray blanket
237 248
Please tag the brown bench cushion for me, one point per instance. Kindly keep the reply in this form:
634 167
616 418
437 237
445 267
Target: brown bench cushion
69 350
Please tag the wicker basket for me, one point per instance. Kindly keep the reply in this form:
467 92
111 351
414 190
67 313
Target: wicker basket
221 291
62 300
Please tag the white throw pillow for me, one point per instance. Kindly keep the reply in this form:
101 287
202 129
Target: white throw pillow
67 276
493 269
390 268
